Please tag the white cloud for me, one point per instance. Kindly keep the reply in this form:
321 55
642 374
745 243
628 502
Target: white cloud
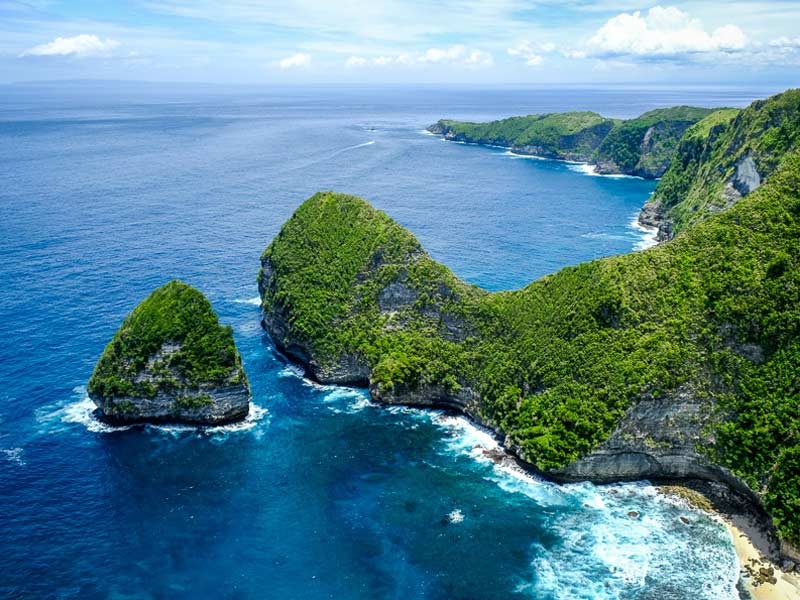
785 43
457 54
356 61
80 45
480 58
531 53
436 55
300 59
663 32
397 59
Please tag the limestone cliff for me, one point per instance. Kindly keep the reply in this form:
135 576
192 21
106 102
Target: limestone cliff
657 364
171 362
678 362
722 159
641 147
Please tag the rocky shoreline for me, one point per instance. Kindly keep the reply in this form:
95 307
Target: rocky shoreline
762 576
600 168
171 361
722 493
768 569
658 437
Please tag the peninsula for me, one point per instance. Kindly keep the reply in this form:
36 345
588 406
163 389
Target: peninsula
641 147
678 363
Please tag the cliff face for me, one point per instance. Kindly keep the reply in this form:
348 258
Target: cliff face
676 362
171 362
669 363
642 146
563 136
721 159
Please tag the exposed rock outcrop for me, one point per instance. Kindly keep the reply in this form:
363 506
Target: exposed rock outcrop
746 179
612 370
652 215
171 362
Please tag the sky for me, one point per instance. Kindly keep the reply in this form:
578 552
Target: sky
402 41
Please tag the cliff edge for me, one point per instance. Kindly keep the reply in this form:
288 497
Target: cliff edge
171 362
675 363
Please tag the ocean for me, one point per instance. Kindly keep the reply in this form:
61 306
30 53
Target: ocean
109 192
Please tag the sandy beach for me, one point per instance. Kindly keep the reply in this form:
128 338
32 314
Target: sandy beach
762 578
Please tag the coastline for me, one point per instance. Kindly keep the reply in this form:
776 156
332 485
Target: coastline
747 539
584 167
760 575
751 540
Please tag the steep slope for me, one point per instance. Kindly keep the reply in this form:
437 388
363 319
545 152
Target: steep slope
721 159
171 361
566 136
677 362
645 145
642 146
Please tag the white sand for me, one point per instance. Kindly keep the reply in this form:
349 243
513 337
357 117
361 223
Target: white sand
751 547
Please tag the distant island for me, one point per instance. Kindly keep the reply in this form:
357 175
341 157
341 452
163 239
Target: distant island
171 362
678 363
641 147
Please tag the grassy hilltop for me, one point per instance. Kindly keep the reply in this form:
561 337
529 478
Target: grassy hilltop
178 315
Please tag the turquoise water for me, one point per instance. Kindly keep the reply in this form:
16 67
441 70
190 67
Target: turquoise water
320 494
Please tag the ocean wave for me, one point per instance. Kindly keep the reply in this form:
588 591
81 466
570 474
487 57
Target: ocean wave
291 370
524 156
13 455
354 399
456 516
347 400
647 235
254 301
81 411
612 538
589 169
600 235
464 436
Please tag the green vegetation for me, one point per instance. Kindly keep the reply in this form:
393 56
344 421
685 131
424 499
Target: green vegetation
192 402
351 252
697 184
176 336
556 364
558 135
641 146
645 145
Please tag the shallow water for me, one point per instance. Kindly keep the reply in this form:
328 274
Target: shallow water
320 494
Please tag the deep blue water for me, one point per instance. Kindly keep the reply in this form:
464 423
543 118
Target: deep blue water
104 196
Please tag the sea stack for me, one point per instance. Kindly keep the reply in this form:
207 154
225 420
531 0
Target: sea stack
171 362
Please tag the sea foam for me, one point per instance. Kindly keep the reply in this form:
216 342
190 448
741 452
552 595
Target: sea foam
254 301
81 411
647 235
13 455
612 538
